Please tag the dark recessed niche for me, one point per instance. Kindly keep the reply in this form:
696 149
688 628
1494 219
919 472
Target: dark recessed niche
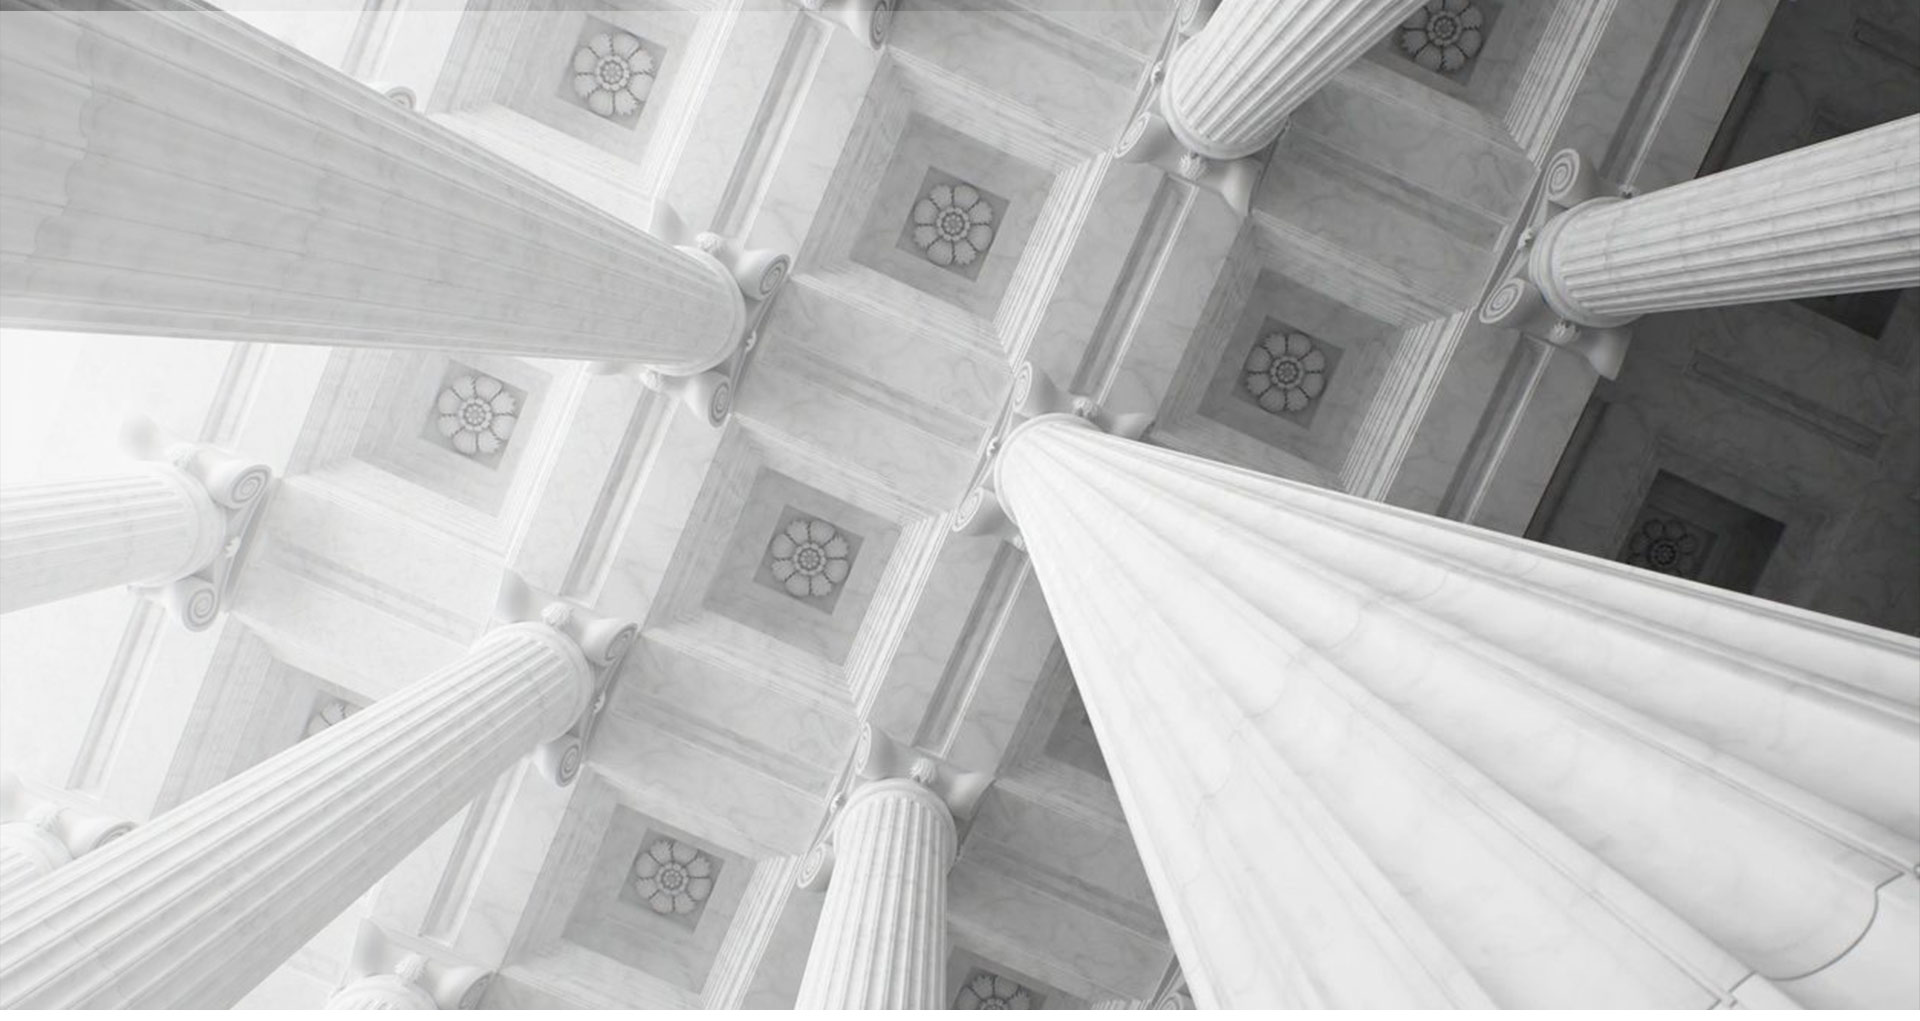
1689 531
1867 312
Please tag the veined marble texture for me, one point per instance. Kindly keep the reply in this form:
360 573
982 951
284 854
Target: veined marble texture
1038 58
923 126
1817 403
1060 943
867 407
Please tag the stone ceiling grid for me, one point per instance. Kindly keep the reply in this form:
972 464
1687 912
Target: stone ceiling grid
636 529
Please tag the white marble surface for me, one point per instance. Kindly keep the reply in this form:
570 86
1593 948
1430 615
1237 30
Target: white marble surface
1231 87
314 262
532 683
1477 678
1392 195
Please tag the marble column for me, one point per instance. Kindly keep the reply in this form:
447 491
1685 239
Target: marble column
144 527
198 906
1832 218
39 834
173 525
1374 758
179 173
1230 88
1226 92
882 937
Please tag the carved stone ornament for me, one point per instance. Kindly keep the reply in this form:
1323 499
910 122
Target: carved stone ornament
983 990
1033 395
707 389
672 876
39 834
613 74
392 973
603 641
237 490
1443 36
953 224
1285 372
1531 299
477 414
878 758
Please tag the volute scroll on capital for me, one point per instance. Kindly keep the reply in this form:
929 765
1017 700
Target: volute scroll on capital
603 644
1151 138
391 973
235 491
707 389
1034 396
880 762
1532 298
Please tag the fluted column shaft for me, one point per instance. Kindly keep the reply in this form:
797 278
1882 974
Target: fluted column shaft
198 906
23 857
1230 89
1374 758
179 173
66 538
882 939
1840 216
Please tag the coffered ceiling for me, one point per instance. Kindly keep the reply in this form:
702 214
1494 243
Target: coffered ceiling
954 212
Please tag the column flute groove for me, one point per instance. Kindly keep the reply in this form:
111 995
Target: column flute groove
177 173
1226 93
198 906
1832 218
881 943
1409 762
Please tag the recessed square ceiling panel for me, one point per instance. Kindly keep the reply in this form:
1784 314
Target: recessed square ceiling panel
657 899
1476 51
801 566
600 77
975 983
1689 531
459 427
951 216
1297 370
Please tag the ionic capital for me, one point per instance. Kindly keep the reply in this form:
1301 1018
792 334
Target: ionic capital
707 388
40 833
230 490
1033 397
1534 298
864 20
600 645
393 973
880 767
